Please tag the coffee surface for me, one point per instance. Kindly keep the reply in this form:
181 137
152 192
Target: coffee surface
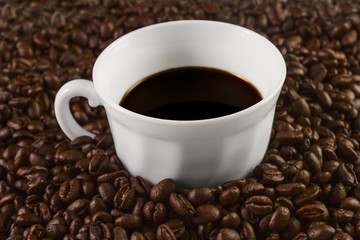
190 93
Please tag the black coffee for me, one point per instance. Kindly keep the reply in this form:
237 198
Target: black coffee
190 93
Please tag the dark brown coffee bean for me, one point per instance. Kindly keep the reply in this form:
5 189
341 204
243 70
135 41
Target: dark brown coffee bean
347 152
107 192
313 162
342 216
164 232
247 231
228 234
110 177
137 236
148 210
27 218
252 189
300 107
124 198
79 206
177 227
181 205
119 233
309 195
99 230
347 174
160 213
350 203
162 190
102 217
138 206
69 190
200 195
324 98
338 194
290 189
231 220
322 231
259 205
4 223
56 228
342 236
273 177
229 196
206 213
300 236
293 227
98 164
312 212
289 137
129 221
70 156
279 219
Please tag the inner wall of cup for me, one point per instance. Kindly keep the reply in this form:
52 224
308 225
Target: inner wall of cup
187 43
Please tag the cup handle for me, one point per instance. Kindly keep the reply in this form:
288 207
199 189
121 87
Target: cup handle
74 88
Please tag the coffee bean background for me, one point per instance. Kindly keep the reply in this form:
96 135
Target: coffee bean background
52 188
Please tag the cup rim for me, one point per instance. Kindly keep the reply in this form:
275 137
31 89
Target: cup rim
244 112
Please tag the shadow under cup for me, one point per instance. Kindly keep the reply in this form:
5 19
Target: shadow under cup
193 153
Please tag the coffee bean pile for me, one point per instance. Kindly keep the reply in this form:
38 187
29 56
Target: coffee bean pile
52 188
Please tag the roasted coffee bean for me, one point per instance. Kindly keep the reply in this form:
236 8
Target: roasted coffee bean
99 230
74 226
107 192
347 174
273 177
312 212
69 190
259 205
338 194
342 216
129 221
321 231
137 236
206 213
309 195
162 190
98 164
228 233
279 219
229 196
293 227
177 227
124 198
252 189
56 228
200 195
119 233
110 177
160 213
138 206
290 137
350 203
290 189
231 220
79 206
70 156
181 205
164 232
342 236
247 231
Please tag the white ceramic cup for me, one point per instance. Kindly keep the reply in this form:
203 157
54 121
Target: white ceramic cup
193 153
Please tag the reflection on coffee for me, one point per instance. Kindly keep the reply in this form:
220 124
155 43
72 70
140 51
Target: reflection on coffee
190 93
